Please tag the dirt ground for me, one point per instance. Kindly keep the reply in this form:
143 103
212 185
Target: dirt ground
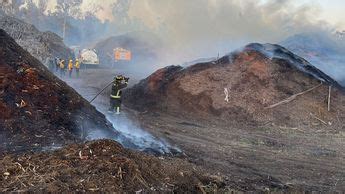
268 156
300 159
105 166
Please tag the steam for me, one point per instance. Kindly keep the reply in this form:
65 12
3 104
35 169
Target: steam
131 134
133 137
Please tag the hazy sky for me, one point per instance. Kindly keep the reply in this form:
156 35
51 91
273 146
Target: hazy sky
331 11
200 26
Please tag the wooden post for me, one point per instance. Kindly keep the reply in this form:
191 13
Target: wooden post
329 98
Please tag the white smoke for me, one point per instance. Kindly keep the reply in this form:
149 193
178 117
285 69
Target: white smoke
139 138
204 28
133 137
131 134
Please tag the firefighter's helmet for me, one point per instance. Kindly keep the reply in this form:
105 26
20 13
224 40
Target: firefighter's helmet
119 78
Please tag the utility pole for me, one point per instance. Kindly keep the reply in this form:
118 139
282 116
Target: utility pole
64 28
329 98
64 8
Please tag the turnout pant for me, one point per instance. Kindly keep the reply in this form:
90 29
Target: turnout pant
77 72
115 105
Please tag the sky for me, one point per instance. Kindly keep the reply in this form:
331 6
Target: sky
329 10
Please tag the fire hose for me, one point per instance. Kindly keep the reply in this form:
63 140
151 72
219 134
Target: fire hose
101 91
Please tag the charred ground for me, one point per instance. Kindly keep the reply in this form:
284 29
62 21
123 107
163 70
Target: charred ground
37 109
40 113
102 166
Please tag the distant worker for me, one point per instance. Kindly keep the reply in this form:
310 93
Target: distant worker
70 68
57 64
119 83
77 67
50 63
62 68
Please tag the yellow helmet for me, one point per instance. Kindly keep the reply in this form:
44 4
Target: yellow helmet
119 77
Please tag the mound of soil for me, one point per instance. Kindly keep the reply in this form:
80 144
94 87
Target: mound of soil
36 108
100 166
38 44
257 79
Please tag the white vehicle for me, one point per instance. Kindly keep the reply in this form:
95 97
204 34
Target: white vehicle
89 57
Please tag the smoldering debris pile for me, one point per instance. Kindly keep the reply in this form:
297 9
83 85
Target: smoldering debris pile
260 84
38 44
101 166
41 113
37 109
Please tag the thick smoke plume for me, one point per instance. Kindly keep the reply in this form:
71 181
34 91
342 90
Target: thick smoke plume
190 29
206 27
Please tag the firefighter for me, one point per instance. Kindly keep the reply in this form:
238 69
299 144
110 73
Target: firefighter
70 68
119 83
62 67
50 63
77 67
57 64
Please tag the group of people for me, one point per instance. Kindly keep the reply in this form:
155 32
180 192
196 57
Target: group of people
58 65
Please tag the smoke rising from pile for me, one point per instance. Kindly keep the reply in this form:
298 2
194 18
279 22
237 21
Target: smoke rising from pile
207 27
133 137
203 28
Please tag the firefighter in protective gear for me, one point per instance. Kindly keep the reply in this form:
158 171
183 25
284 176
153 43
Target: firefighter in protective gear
62 68
77 67
119 83
70 68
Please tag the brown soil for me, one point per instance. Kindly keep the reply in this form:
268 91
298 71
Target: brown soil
254 81
299 143
40 112
102 166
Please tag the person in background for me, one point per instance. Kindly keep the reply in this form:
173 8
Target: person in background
62 68
57 64
70 68
50 63
77 67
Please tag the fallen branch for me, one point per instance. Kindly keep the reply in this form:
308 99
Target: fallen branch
292 128
200 186
293 97
142 181
322 121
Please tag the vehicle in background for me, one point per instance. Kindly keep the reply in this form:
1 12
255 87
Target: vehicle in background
89 58
122 54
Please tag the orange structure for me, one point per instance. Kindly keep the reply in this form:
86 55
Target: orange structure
122 54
